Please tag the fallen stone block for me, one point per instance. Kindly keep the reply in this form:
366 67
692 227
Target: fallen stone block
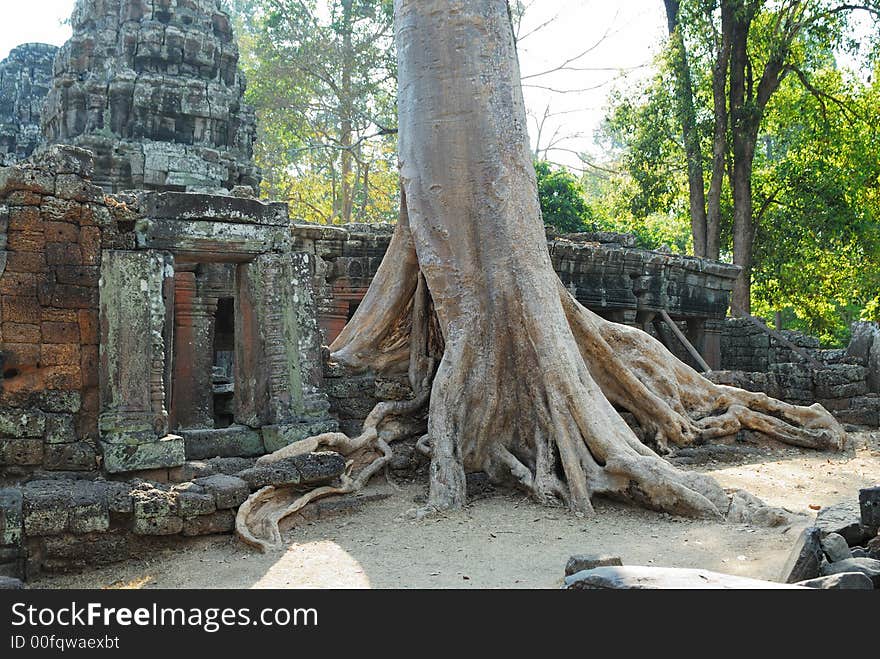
835 548
746 508
639 577
840 581
844 518
805 558
580 562
868 566
281 473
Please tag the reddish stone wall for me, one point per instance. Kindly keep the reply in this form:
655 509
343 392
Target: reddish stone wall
51 218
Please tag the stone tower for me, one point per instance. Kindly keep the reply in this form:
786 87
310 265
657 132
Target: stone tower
25 79
152 87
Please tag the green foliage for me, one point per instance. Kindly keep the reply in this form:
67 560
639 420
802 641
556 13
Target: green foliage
562 198
322 79
815 183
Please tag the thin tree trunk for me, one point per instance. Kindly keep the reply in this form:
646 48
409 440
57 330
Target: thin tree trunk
684 102
719 138
345 129
742 118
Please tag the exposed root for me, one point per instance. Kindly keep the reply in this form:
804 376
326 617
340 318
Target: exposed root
258 518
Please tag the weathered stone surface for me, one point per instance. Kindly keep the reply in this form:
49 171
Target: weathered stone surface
278 436
77 456
167 452
280 473
22 423
10 583
164 525
89 510
155 92
869 507
580 562
841 581
60 429
45 507
11 518
222 521
805 558
746 508
193 500
25 79
868 566
150 501
835 548
234 441
119 498
228 491
844 518
637 577
319 467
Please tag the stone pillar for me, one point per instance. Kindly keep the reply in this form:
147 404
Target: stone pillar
133 421
710 346
278 351
192 399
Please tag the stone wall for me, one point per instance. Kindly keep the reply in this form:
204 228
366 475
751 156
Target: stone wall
57 524
152 87
604 271
94 379
847 384
25 79
51 221
745 347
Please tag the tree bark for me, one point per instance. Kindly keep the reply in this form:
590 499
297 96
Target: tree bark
684 102
346 200
719 137
527 383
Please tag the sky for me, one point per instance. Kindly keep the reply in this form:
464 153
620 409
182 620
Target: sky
622 39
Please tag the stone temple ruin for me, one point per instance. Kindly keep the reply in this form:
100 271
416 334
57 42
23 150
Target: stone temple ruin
161 327
25 79
153 89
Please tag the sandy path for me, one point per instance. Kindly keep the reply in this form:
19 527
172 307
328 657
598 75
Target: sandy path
504 540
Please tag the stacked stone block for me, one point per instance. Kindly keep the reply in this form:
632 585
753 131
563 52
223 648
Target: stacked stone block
61 524
51 220
846 385
745 347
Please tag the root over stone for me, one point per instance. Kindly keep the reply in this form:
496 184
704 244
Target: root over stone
521 381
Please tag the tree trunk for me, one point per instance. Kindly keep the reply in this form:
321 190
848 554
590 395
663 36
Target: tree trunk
684 103
529 383
346 194
743 228
719 138
742 120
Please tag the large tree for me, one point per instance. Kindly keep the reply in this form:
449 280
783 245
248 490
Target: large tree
520 381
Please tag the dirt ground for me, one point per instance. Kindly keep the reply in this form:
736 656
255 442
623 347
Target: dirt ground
506 541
